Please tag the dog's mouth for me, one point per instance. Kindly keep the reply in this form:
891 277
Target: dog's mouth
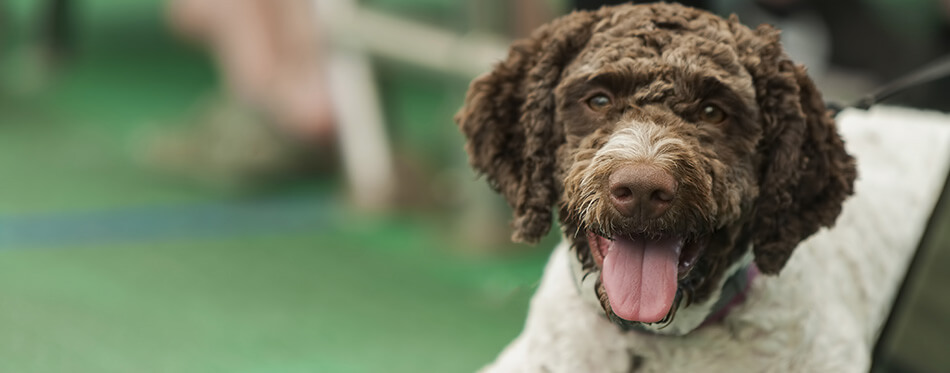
640 272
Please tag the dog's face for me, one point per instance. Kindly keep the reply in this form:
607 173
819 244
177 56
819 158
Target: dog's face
659 156
671 141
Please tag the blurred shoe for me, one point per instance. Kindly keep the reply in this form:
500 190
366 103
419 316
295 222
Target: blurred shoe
228 145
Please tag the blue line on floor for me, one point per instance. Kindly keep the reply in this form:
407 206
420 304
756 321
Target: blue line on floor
160 223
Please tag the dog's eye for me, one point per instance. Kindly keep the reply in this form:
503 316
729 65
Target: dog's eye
599 102
712 114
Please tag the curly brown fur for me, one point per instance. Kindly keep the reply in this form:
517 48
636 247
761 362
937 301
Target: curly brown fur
508 117
769 175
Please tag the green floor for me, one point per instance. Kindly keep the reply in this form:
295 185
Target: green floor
289 302
106 266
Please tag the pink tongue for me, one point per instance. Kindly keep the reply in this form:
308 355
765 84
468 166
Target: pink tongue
640 277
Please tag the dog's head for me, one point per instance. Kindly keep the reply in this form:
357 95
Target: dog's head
670 139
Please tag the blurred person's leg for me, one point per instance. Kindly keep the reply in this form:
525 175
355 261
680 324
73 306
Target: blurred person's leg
272 109
302 96
269 56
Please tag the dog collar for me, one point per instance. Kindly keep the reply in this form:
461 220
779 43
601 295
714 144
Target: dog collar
734 292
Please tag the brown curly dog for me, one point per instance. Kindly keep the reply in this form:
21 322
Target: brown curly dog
671 141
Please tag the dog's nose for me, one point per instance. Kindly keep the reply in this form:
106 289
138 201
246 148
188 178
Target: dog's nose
642 191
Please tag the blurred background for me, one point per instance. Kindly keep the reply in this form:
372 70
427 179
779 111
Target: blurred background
279 186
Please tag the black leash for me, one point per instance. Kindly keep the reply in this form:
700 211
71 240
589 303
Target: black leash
926 74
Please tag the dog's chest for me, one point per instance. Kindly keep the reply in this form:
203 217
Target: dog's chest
564 333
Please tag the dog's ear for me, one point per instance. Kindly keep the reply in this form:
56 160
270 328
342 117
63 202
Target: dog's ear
805 173
508 121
